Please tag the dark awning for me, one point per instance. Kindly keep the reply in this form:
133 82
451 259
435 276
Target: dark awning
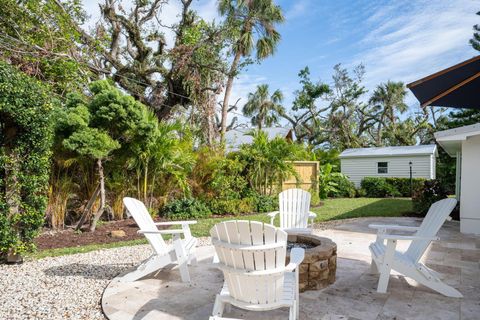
455 87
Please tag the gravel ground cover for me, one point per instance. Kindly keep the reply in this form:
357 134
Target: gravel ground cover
66 287
71 286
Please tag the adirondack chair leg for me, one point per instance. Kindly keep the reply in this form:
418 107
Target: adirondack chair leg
297 292
444 289
293 312
193 259
218 307
148 266
386 266
433 282
182 258
373 267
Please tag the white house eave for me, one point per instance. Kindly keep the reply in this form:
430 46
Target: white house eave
461 133
451 140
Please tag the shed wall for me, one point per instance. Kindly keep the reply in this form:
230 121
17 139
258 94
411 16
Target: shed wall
358 168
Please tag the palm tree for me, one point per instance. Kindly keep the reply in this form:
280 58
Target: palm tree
388 99
264 108
248 19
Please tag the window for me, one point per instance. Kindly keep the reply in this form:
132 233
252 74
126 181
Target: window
382 167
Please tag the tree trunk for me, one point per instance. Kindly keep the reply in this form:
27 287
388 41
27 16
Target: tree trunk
145 183
88 207
226 98
100 211
211 133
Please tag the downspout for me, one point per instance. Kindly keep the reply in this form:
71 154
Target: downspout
458 175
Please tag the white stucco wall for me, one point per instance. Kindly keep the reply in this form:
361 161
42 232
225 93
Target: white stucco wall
359 167
470 190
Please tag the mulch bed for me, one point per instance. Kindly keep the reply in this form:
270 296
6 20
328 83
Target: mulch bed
69 238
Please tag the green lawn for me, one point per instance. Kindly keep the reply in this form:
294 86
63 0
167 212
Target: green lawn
333 209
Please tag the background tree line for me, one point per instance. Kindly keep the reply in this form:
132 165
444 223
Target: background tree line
342 114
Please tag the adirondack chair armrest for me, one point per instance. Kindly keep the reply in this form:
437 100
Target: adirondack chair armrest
402 237
311 216
172 223
185 226
296 257
166 231
392 227
272 215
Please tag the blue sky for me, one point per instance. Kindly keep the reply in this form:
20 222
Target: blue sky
395 40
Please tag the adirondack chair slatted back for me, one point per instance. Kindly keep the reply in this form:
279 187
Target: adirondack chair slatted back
246 246
433 221
294 206
145 222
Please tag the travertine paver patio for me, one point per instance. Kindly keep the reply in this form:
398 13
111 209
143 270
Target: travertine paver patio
353 295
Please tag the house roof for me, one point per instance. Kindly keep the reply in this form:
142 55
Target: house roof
235 138
428 149
451 140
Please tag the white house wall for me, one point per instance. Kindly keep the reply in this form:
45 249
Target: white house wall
470 194
359 167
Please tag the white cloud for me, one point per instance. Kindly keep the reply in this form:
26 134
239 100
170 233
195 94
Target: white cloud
414 39
298 9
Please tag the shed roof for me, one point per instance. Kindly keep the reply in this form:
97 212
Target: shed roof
235 138
428 149
451 140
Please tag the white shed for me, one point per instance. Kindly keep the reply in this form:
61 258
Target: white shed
389 162
464 144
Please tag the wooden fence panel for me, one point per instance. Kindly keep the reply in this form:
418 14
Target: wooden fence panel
307 172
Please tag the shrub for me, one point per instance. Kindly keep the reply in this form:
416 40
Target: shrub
315 199
187 208
246 205
424 196
265 203
344 189
232 206
327 183
361 193
227 181
26 128
378 188
389 187
403 184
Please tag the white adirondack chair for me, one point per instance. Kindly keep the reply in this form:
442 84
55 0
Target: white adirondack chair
181 252
385 257
294 211
252 258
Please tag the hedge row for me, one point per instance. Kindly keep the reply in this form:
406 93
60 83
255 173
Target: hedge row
378 187
192 208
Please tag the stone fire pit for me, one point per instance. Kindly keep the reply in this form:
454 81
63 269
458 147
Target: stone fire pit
318 269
